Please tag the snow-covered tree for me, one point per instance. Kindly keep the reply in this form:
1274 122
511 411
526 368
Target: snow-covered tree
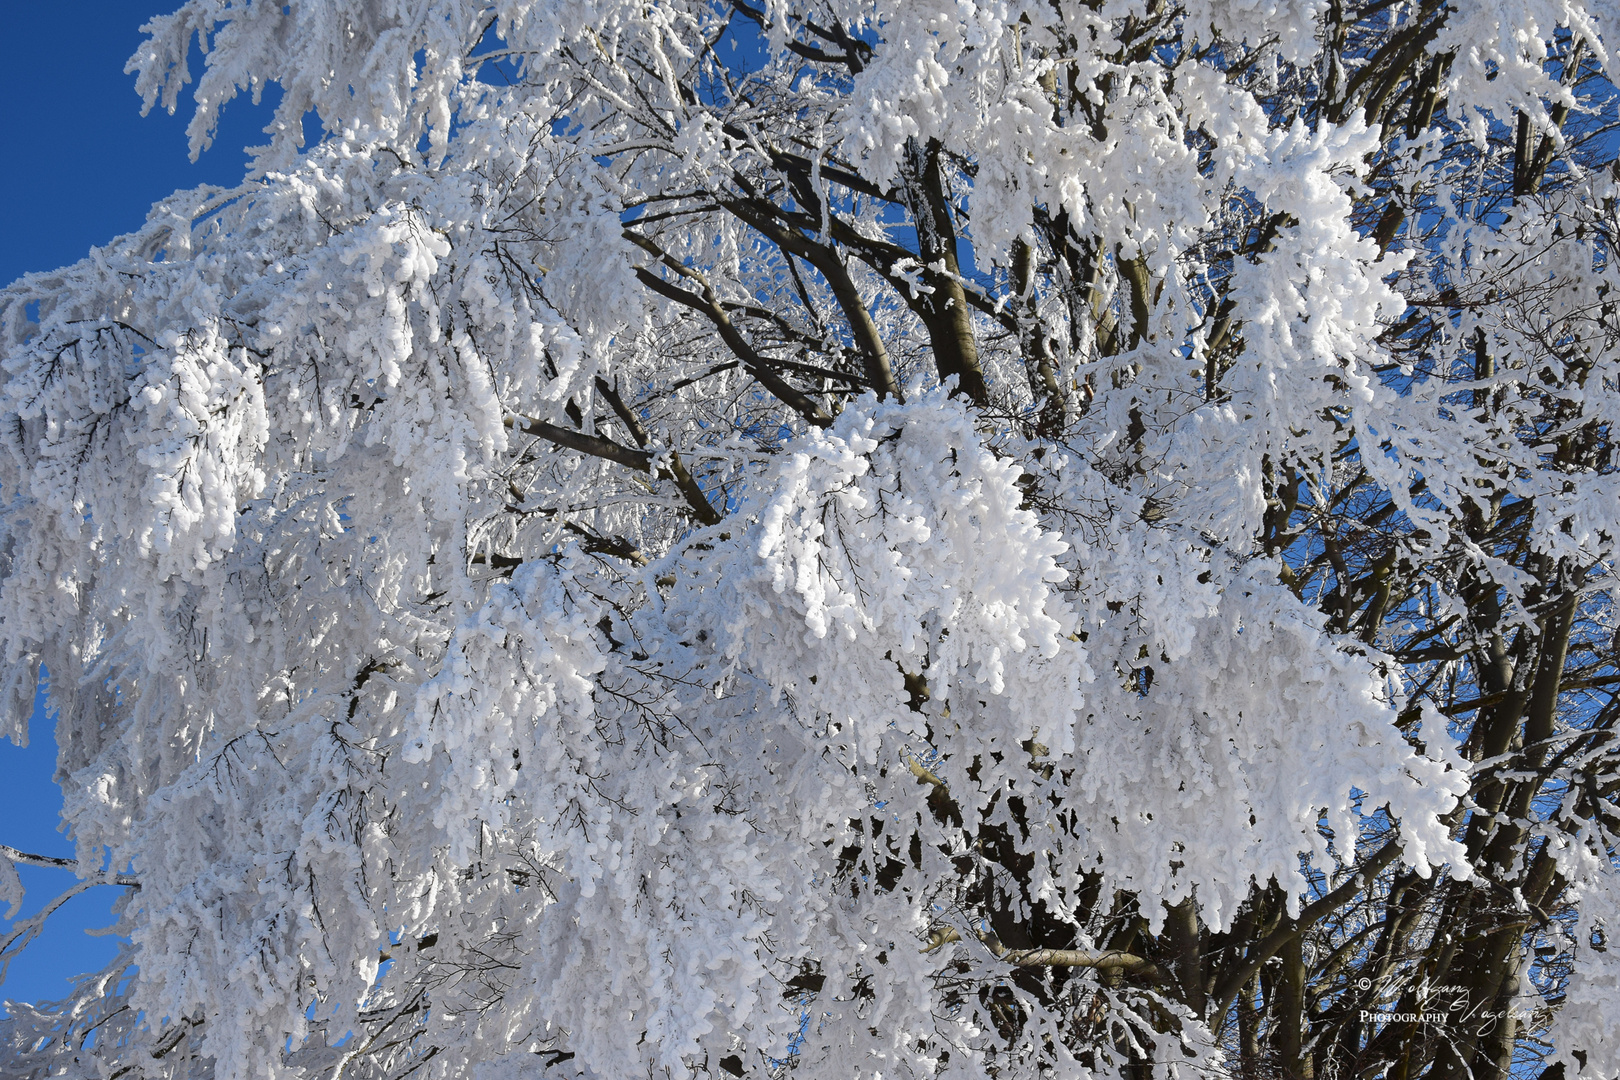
853 538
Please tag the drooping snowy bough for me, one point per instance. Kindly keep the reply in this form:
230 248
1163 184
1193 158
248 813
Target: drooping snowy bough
892 539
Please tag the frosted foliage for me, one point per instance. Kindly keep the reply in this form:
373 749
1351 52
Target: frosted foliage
863 557
892 540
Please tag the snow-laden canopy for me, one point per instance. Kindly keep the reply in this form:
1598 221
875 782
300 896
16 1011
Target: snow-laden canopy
902 538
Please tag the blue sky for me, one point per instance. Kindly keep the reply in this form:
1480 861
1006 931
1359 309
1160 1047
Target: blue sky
83 167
